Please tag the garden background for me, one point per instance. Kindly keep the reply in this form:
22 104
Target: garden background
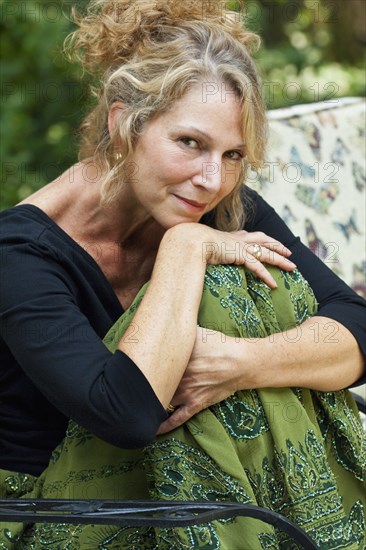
312 50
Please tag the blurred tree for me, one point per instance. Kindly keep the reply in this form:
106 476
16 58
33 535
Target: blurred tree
42 97
348 39
312 50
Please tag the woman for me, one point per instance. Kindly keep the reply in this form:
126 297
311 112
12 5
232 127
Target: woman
160 153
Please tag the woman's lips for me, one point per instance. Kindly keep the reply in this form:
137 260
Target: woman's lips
193 204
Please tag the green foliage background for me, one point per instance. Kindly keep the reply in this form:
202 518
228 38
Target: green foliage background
312 50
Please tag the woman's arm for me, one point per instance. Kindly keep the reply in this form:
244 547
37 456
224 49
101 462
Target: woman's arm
325 353
336 301
319 354
166 319
56 306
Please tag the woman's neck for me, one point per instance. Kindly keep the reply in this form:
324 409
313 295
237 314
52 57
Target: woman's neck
73 202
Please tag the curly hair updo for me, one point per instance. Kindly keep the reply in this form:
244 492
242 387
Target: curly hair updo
148 54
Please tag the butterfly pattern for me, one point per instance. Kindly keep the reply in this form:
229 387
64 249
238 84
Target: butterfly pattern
315 244
295 158
319 199
349 227
359 176
317 181
339 152
327 252
288 215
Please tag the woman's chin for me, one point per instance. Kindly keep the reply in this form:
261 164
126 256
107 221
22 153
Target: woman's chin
168 224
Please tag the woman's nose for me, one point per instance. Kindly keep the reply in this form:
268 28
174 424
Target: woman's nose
209 176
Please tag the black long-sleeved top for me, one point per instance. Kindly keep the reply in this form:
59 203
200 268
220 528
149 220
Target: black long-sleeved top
56 306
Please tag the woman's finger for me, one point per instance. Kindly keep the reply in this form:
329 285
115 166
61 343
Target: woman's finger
257 252
256 267
263 240
177 418
254 257
252 250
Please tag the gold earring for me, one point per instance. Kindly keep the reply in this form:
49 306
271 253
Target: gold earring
118 156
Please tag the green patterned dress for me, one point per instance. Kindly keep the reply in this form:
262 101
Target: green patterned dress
295 451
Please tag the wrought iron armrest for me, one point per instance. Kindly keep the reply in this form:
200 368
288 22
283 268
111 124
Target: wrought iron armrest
137 513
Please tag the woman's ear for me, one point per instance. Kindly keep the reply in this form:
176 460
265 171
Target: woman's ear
114 114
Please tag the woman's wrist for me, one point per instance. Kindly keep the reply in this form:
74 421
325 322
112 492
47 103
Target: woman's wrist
247 370
269 362
293 359
195 240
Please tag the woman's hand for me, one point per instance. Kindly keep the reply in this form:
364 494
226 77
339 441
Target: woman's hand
220 365
210 377
250 250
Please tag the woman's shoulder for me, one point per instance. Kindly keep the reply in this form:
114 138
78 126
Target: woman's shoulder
24 221
26 227
26 231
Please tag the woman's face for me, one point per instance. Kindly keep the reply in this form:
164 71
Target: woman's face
188 159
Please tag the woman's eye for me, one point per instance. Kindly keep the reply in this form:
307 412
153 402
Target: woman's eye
234 155
190 142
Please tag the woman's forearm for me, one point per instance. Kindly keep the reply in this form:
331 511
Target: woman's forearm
165 322
320 354
163 333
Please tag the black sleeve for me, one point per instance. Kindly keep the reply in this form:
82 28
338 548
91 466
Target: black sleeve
56 346
335 298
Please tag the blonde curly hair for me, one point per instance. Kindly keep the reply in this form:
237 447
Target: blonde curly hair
147 55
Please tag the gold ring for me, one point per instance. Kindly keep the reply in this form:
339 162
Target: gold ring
170 408
257 251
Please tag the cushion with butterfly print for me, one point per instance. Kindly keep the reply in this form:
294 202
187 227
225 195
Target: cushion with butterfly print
315 177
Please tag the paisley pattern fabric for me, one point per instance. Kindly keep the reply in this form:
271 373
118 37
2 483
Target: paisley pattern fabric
295 451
